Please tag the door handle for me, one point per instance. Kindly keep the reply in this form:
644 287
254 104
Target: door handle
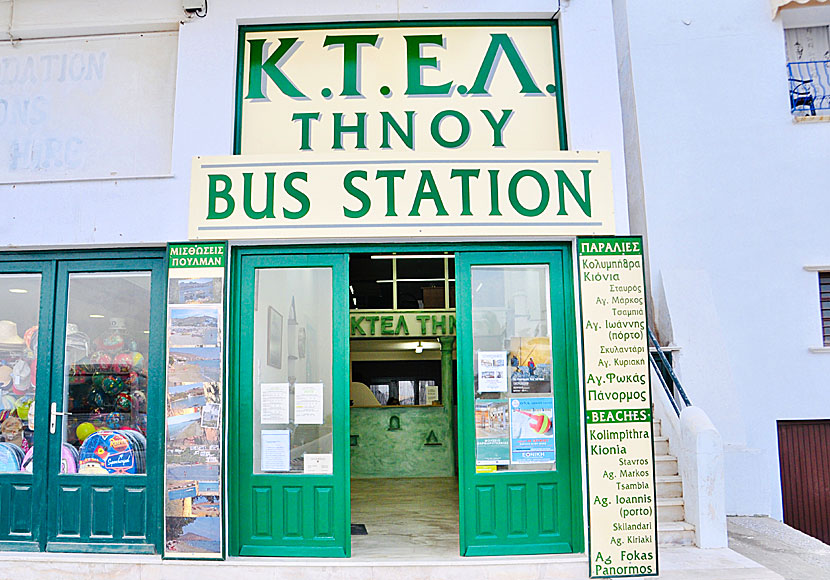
53 417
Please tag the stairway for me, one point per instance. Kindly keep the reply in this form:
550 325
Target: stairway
672 529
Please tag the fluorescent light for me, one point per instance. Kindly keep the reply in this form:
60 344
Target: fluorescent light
146 332
411 256
18 291
96 315
414 280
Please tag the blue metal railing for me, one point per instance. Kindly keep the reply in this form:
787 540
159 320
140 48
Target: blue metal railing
809 87
676 390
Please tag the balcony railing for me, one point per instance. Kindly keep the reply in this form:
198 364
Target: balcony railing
809 87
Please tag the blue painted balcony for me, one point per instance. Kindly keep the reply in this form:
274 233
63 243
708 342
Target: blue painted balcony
809 87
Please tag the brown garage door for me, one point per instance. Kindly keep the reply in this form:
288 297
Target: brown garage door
804 455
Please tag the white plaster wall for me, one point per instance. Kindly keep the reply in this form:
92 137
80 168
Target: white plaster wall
153 211
736 200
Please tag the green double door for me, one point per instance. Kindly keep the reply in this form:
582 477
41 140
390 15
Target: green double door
519 467
81 361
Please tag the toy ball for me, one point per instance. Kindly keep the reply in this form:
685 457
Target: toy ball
132 379
123 401
98 379
137 359
84 430
30 338
123 362
139 400
96 398
112 385
23 406
113 420
101 360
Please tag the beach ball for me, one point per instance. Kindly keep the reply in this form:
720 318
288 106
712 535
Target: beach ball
84 430
112 384
123 402
101 360
540 423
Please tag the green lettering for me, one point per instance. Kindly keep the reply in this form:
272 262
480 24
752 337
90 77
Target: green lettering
494 191
351 54
423 319
513 193
501 43
365 202
427 189
401 326
354 326
498 126
464 134
415 63
269 196
305 203
214 193
371 320
452 325
439 323
271 67
407 137
465 175
390 175
584 202
386 325
305 119
359 129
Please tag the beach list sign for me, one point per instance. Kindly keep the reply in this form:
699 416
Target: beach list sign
400 131
621 480
193 430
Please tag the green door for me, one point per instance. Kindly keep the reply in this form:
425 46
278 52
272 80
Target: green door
288 449
519 472
23 316
105 457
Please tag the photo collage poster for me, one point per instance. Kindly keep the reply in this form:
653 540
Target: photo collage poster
193 440
514 411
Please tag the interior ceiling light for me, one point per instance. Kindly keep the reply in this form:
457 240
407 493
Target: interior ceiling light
420 348
18 291
96 315
410 256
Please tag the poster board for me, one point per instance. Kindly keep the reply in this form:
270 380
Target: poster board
194 401
619 436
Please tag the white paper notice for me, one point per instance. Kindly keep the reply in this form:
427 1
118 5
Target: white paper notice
317 463
492 371
274 401
276 450
308 404
432 394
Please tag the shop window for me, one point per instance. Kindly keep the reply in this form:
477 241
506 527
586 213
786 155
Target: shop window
808 67
19 307
400 382
402 281
824 298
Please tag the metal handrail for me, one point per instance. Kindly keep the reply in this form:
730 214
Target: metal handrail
668 367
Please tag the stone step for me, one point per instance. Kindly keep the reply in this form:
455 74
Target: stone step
665 465
658 428
670 509
661 445
669 486
675 534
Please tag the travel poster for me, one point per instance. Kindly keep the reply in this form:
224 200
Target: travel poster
492 371
492 432
532 430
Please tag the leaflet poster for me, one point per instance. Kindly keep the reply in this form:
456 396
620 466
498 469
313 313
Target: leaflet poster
195 381
492 436
531 430
492 371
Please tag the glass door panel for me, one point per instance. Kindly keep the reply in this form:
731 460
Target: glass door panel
518 409
289 407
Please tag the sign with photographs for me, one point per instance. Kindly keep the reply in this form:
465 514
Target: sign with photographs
193 446
621 480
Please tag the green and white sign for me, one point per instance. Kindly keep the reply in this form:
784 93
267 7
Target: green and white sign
622 510
392 324
390 131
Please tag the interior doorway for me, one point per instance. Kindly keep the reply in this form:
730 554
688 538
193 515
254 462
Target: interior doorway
403 436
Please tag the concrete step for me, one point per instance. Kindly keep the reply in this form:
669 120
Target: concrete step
670 509
661 445
675 534
669 486
665 465
658 428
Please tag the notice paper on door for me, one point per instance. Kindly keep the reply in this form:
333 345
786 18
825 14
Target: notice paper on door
308 404
317 463
492 371
274 404
275 451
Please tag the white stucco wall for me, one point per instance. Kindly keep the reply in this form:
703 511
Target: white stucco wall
735 194
153 211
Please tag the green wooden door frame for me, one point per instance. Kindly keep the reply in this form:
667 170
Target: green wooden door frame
22 509
241 480
131 504
534 489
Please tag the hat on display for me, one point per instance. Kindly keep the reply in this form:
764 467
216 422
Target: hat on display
21 373
5 376
8 334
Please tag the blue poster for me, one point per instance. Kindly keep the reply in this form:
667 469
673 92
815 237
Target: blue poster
532 430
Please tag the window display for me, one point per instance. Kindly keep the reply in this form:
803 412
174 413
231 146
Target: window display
105 387
19 308
514 406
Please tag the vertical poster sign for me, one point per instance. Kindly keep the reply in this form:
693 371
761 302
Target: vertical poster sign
193 434
621 481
